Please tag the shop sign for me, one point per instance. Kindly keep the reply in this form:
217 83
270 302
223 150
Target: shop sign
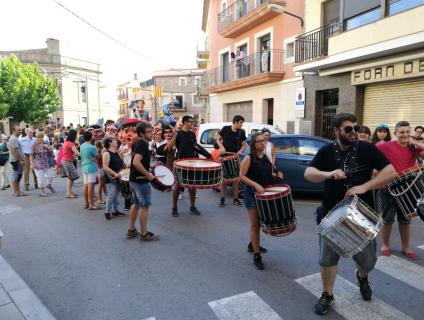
396 71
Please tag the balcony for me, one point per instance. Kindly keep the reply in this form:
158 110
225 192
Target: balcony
202 58
256 69
313 45
243 15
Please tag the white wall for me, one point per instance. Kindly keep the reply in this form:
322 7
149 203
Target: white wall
283 93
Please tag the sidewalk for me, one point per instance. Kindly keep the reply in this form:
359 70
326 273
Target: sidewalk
17 301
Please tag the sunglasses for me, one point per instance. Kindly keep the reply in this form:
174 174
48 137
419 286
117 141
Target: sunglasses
382 126
260 141
349 129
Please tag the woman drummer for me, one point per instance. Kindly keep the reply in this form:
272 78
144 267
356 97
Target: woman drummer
256 172
112 164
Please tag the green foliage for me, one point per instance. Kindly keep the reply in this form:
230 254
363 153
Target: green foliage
25 93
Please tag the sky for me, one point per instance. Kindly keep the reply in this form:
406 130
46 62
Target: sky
164 31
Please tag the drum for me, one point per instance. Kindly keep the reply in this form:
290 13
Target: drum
125 183
230 167
194 173
350 226
408 190
165 178
275 209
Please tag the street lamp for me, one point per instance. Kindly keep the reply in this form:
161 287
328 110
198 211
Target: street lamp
279 9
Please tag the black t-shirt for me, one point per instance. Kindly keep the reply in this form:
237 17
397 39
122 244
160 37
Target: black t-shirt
185 143
260 170
232 140
368 157
142 148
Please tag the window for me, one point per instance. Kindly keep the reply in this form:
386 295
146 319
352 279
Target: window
309 147
197 81
196 100
331 11
182 81
397 6
284 146
363 19
209 136
290 50
223 5
178 103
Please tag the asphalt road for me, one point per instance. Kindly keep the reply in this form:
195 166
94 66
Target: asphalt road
83 267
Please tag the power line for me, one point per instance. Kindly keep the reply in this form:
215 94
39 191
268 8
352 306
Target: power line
113 38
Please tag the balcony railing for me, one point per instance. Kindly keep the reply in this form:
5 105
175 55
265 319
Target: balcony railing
122 97
270 61
314 44
236 11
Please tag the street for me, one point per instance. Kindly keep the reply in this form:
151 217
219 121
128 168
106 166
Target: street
82 267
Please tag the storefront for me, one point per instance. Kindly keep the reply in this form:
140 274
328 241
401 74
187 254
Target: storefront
393 92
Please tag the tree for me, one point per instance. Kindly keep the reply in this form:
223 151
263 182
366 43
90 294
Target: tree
25 93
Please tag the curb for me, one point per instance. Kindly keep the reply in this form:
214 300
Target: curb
25 300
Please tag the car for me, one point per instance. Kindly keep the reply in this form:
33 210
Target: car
294 153
207 133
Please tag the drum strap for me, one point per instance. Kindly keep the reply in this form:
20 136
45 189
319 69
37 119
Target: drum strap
346 162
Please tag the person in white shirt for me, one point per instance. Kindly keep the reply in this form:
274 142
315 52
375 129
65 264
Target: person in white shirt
27 142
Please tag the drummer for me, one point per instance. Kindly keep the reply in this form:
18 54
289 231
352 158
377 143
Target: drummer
256 172
232 140
330 166
139 183
112 164
403 154
185 142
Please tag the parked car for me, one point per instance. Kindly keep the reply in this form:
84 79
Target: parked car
293 155
207 133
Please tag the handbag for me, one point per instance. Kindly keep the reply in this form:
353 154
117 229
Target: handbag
50 158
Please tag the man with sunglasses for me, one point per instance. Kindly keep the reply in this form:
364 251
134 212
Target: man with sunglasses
331 165
403 154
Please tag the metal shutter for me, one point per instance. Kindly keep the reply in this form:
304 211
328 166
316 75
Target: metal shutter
244 109
392 102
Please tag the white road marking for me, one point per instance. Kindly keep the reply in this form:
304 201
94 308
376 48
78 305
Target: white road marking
421 247
151 318
245 306
349 303
403 270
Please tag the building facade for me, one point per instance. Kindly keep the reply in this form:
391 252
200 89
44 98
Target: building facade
79 84
365 57
251 58
180 89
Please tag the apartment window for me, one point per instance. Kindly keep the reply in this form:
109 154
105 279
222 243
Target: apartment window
331 11
363 19
397 6
223 5
290 50
196 101
182 81
197 81
178 103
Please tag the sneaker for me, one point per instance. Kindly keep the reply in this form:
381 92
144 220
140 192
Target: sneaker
324 303
221 202
257 261
149 236
127 208
118 214
237 203
193 210
364 287
108 217
181 196
132 233
250 248
175 212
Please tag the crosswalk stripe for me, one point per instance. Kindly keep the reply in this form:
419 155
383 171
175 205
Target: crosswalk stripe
421 247
403 270
242 307
349 303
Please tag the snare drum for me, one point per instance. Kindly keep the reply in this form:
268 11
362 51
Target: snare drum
350 226
230 167
125 183
164 180
275 209
408 189
194 173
